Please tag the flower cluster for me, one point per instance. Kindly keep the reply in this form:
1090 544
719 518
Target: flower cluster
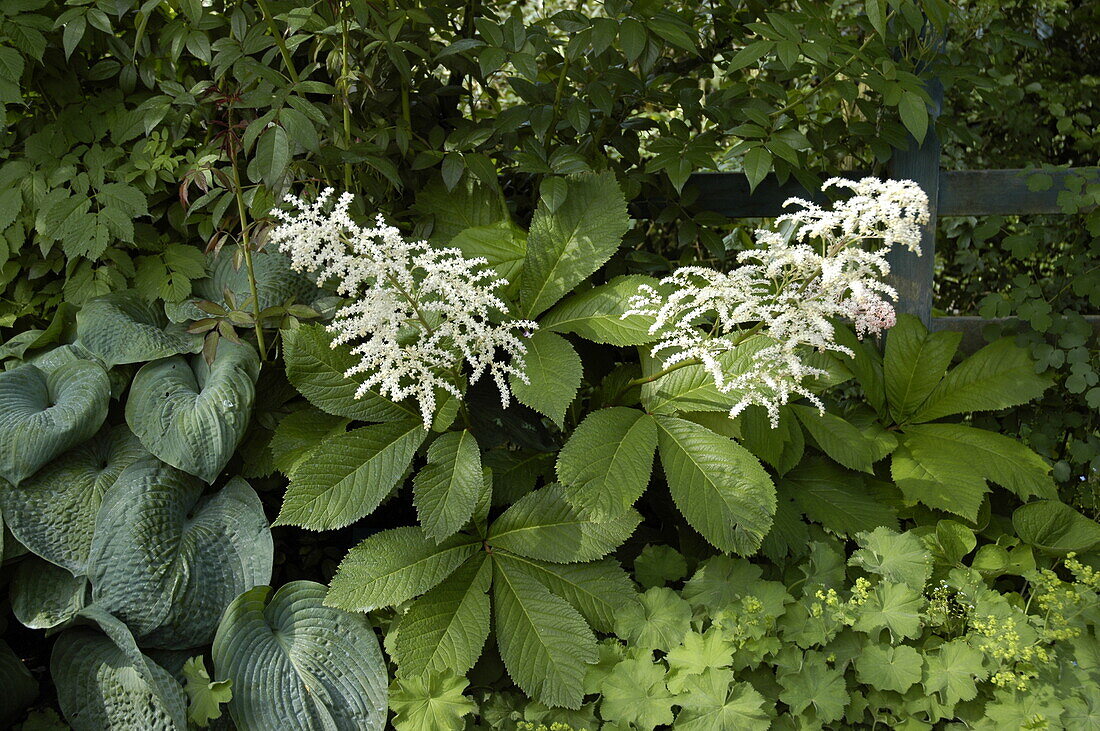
416 311
816 264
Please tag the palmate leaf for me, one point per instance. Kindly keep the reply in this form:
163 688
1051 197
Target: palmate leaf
838 438
554 370
430 701
606 464
446 489
295 663
193 415
43 595
395 565
951 671
351 475
565 246
843 501
123 327
446 628
43 415
167 562
712 700
894 607
889 668
717 484
1055 527
317 370
543 641
599 590
543 525
597 314
692 388
914 363
897 557
998 376
53 513
634 694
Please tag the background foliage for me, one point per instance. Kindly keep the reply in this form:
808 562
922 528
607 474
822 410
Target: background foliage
139 140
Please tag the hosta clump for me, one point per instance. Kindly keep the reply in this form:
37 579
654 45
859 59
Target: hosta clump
813 267
417 312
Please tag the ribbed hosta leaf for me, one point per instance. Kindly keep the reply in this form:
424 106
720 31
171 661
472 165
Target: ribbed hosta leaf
192 414
43 595
53 513
446 489
395 565
543 525
545 644
104 682
606 464
168 563
349 475
296 664
276 283
20 687
717 484
446 628
598 589
43 415
122 327
317 370
596 314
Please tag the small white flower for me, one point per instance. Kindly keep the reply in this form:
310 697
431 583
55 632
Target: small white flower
811 268
417 313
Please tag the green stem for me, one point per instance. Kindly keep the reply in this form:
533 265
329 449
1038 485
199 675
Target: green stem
283 51
826 78
242 212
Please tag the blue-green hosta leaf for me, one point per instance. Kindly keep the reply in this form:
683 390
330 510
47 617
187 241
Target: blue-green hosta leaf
167 561
554 370
1056 527
606 464
717 484
276 284
395 565
43 595
299 665
351 474
545 644
566 246
543 525
43 415
193 415
53 513
123 327
1000 375
446 628
103 681
597 314
446 489
317 370
599 590
20 687
914 363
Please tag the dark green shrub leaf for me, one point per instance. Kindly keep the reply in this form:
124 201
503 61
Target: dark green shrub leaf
596 314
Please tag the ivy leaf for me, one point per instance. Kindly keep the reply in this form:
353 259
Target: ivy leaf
446 628
446 489
634 693
431 701
813 684
951 671
395 565
890 606
998 376
596 314
606 464
898 557
554 373
354 472
543 641
206 696
717 484
712 700
543 525
566 246
915 362
889 668
659 621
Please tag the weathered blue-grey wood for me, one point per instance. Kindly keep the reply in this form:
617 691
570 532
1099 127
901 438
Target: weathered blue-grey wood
1003 192
729 195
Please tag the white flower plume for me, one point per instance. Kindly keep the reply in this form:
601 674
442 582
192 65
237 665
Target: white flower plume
417 312
816 264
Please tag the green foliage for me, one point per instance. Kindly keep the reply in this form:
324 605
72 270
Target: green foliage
205 697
